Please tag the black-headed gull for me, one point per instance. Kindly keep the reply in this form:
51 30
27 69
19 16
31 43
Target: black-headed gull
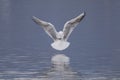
60 38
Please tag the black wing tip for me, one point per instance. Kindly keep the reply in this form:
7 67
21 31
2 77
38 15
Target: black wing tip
33 18
83 14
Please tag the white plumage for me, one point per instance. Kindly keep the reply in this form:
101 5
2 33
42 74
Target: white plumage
60 38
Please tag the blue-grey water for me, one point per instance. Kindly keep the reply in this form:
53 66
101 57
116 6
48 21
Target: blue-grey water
25 51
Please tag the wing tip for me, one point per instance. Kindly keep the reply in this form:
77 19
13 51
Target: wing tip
83 14
33 17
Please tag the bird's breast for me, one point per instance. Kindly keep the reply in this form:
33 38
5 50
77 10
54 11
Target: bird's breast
60 44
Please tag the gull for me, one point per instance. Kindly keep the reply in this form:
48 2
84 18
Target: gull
60 38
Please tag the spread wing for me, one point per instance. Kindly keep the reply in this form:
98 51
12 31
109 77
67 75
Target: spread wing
71 24
48 27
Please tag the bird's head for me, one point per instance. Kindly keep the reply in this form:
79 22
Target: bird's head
60 35
60 32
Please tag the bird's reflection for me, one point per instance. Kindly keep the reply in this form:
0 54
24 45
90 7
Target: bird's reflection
60 69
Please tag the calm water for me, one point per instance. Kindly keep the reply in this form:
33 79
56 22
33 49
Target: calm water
24 64
25 51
